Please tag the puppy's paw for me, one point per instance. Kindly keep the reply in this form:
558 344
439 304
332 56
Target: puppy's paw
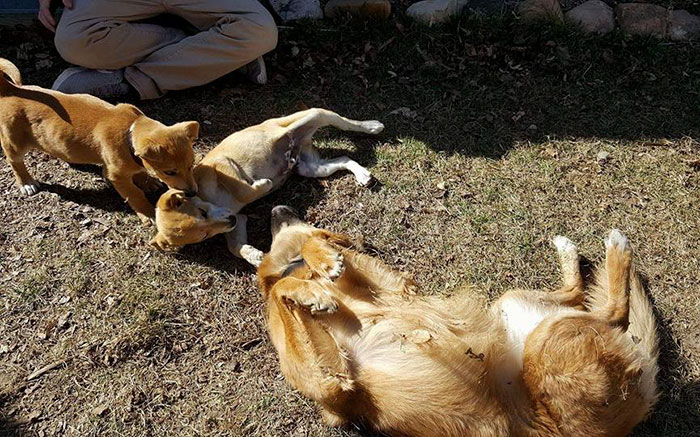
372 126
29 189
252 255
617 241
363 177
263 185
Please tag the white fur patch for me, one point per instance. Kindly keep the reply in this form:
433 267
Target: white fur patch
29 189
617 239
337 269
563 244
372 126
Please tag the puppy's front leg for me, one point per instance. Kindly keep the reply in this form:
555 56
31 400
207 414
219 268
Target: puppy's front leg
125 186
237 242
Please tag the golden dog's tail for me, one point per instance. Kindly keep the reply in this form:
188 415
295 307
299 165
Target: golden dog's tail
642 328
10 75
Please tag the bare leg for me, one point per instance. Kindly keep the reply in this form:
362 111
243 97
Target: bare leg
237 242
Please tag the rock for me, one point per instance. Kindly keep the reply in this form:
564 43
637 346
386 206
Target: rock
683 26
602 156
594 16
362 8
537 11
642 19
290 10
435 11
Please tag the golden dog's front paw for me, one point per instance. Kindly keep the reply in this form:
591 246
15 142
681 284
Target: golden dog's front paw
316 303
337 267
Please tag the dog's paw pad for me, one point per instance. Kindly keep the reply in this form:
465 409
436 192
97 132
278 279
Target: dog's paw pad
563 245
363 177
617 240
29 189
373 126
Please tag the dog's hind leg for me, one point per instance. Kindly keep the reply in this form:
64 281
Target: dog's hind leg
571 293
15 156
618 263
310 165
307 122
237 242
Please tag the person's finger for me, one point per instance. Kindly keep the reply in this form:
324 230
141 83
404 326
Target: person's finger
68 4
47 20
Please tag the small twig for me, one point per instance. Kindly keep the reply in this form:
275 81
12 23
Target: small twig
46 368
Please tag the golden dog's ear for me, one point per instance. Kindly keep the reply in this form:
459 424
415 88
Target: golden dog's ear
161 243
190 128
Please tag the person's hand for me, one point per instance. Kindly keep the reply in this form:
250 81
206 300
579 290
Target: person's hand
46 13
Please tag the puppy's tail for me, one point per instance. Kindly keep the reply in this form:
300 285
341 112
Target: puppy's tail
10 75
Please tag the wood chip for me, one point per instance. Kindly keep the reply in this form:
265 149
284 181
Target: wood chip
49 367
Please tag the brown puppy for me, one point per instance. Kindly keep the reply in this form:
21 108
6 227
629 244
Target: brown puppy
82 129
243 168
352 336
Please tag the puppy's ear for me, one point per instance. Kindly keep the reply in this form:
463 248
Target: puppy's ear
175 200
190 128
144 138
161 243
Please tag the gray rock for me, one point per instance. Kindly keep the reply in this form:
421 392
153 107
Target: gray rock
683 26
642 19
290 10
362 8
435 11
537 11
594 16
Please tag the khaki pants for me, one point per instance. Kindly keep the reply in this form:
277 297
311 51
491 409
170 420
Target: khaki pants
103 34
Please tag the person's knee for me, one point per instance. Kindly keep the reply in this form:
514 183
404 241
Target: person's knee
70 44
260 32
77 47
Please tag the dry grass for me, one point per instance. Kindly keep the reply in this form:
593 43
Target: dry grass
500 155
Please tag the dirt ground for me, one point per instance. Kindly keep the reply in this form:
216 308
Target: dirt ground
492 145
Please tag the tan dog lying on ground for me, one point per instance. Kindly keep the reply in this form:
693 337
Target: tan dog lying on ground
352 336
82 129
244 167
